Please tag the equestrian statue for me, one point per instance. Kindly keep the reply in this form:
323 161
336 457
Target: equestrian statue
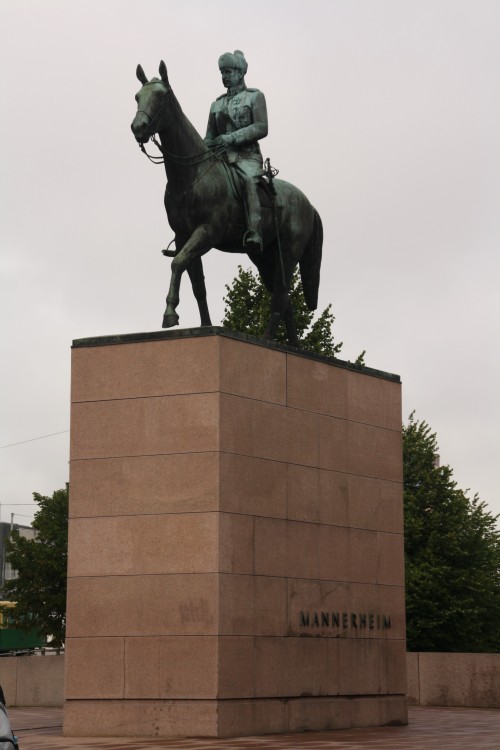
219 195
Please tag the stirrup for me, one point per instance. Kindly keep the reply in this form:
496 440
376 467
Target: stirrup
168 253
252 240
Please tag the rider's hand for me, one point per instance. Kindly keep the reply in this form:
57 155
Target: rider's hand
221 140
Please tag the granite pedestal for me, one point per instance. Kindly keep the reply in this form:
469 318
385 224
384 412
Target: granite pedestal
235 540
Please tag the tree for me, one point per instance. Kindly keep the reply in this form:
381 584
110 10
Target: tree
452 548
40 588
248 306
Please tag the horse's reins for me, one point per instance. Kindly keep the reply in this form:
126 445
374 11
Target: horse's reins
176 159
186 161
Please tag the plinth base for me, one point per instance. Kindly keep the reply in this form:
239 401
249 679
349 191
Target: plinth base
235 557
229 718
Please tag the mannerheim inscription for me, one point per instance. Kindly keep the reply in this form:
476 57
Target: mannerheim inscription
344 620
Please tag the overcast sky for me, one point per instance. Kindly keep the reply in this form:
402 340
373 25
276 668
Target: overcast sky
386 113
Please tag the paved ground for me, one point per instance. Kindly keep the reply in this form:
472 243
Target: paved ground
429 729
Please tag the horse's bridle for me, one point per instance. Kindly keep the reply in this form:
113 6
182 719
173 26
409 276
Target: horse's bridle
153 121
175 159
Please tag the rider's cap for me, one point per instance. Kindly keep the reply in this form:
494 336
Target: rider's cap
234 59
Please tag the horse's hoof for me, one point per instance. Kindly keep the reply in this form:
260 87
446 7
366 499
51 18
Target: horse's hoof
170 320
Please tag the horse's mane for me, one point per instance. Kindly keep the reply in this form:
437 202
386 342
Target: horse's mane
178 112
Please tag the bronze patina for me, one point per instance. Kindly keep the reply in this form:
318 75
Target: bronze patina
238 120
207 208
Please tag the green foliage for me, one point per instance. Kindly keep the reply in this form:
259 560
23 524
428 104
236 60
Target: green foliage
248 308
452 548
360 360
40 589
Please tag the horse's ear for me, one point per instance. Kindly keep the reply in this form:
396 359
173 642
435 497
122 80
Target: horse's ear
163 73
141 75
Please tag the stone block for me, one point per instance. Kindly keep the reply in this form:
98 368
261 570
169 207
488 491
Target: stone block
391 602
392 667
188 667
236 544
140 718
145 426
135 485
270 546
375 503
379 711
317 386
144 368
33 680
309 598
8 678
252 486
142 605
374 401
359 666
366 711
252 605
142 668
171 667
459 680
288 667
284 434
301 550
302 438
252 371
149 544
391 562
105 680
236 667
412 679
359 449
333 436
393 711
305 666
236 424
270 428
363 555
319 714
334 553
237 718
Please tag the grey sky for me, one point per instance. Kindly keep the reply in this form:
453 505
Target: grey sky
386 113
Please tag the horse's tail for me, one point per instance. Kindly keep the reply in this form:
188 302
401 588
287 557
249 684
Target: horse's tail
310 263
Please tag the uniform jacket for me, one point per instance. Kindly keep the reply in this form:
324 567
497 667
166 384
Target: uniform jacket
244 114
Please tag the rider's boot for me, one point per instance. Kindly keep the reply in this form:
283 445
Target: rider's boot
252 239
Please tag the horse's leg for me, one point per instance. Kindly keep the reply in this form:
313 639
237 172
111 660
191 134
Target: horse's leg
291 328
289 246
280 301
267 267
195 271
195 247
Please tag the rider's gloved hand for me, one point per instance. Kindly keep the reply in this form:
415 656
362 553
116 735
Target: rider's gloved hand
221 140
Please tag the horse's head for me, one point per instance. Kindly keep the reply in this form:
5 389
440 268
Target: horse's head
151 100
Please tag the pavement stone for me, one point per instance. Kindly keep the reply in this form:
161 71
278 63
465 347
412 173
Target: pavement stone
429 729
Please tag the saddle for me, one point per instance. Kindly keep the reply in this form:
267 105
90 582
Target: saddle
265 191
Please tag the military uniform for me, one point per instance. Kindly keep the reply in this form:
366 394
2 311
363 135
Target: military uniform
242 114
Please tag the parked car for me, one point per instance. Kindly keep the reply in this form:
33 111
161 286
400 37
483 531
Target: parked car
8 741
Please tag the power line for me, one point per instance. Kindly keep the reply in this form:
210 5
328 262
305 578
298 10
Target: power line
32 440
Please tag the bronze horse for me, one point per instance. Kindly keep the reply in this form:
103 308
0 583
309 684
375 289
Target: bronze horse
205 211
